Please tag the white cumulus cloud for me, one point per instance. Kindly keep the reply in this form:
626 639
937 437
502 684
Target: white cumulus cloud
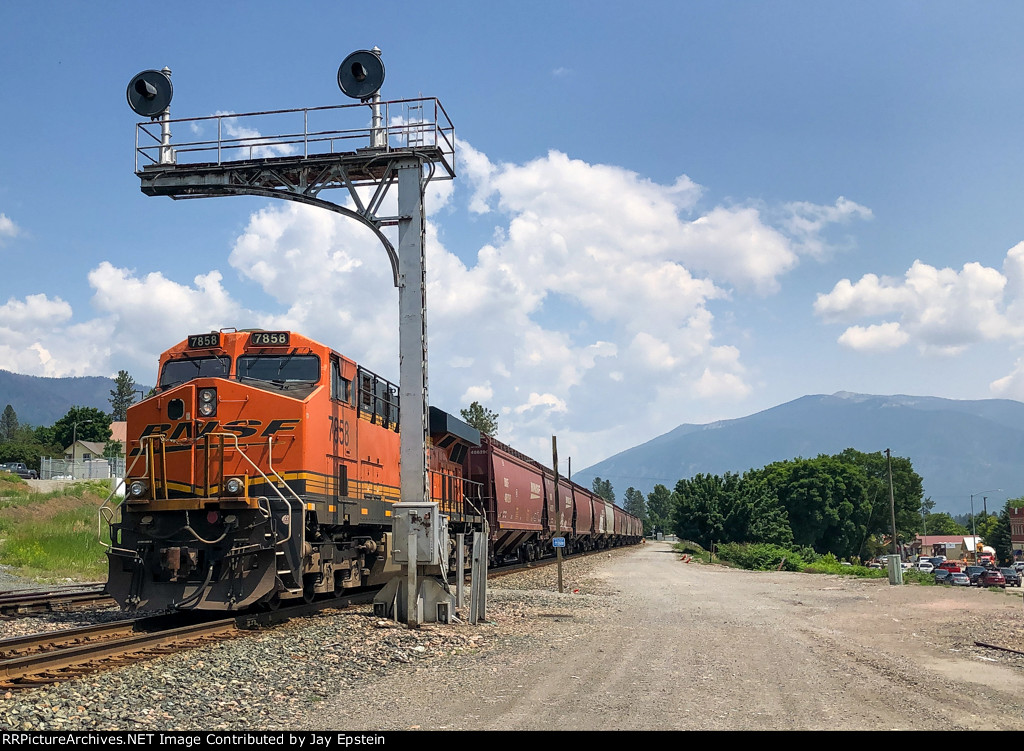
7 228
938 310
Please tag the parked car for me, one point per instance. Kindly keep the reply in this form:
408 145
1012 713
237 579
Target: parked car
959 579
951 566
19 469
974 573
992 578
924 566
1012 576
942 576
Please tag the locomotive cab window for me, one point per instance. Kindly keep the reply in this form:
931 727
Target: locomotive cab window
280 370
341 388
177 372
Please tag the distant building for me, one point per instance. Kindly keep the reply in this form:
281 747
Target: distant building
83 451
119 433
1017 533
954 547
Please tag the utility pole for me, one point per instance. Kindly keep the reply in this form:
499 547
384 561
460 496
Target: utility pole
892 499
558 510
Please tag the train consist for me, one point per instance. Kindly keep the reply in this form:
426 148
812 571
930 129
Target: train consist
265 469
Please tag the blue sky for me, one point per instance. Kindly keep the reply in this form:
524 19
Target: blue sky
665 212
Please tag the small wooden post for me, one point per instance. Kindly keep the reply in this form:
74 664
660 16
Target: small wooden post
558 509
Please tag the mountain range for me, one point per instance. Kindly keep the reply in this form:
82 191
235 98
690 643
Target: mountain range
39 401
959 447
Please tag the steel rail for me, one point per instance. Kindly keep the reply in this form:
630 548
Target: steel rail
51 640
66 598
70 662
50 657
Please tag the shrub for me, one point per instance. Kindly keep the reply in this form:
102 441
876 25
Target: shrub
762 557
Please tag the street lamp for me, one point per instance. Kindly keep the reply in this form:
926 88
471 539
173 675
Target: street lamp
974 532
74 440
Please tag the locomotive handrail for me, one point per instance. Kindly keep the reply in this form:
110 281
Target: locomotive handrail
262 474
302 505
104 513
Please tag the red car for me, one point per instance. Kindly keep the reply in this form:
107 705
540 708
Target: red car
992 578
952 566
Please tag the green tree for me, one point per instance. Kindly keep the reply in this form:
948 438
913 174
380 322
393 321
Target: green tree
757 515
907 493
8 424
122 396
731 508
112 449
481 418
603 488
826 501
700 508
659 509
83 424
633 503
999 536
944 524
985 526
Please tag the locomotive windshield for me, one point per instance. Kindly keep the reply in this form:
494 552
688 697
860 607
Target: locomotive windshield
180 371
283 370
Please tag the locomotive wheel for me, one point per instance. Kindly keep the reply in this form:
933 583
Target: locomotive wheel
308 583
273 602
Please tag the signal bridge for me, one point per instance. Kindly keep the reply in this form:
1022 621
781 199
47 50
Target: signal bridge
295 154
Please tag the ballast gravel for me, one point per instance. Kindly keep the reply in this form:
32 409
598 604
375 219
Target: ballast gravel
640 638
267 679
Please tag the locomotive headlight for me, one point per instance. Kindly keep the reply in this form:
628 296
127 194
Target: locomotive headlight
137 489
207 402
233 486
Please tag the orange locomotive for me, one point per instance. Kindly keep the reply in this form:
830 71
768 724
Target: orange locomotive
264 469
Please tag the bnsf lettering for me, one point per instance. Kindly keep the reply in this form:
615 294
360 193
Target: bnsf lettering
241 428
339 430
184 430
156 429
276 426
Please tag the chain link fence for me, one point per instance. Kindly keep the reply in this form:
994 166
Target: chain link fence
85 469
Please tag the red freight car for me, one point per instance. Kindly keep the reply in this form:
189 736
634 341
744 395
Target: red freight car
518 498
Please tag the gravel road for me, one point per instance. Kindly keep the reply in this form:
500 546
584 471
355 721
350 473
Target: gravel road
672 646
639 640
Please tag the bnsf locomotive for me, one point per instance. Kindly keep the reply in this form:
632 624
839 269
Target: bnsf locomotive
265 468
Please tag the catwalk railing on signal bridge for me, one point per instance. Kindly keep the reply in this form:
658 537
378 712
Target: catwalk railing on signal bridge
405 125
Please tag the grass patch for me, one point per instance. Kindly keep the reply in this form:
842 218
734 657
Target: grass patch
766 557
52 536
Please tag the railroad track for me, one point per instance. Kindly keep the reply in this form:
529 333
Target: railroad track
54 656
72 597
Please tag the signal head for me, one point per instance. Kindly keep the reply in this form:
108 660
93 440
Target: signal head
149 93
361 74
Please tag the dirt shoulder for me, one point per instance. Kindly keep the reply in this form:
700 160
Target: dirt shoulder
642 641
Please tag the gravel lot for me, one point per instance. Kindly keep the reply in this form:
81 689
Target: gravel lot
638 640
